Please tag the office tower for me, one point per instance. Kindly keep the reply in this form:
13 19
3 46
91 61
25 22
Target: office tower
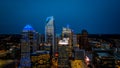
63 58
28 45
84 39
67 33
65 47
79 40
50 33
37 40
42 38
75 41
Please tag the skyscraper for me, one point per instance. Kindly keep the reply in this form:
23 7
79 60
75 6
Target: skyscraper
67 33
50 33
75 40
28 45
84 39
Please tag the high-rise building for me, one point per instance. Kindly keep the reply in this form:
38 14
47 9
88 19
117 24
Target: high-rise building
28 45
67 33
63 58
50 33
38 40
75 41
67 36
84 39
42 38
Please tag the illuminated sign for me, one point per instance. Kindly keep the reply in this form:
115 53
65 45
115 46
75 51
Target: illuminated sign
64 41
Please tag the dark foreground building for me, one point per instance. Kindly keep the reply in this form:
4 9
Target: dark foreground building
103 59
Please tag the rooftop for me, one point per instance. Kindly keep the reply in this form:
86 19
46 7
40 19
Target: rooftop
28 28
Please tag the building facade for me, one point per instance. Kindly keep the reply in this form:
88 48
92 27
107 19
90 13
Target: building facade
82 40
50 34
28 45
68 34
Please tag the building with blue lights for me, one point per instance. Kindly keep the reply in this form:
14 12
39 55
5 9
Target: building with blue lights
28 45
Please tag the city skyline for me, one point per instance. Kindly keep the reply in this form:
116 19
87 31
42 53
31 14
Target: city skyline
96 16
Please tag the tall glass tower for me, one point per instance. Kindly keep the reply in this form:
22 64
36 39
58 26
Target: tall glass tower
50 33
28 45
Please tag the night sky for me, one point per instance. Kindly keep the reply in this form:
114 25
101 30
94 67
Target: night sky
96 16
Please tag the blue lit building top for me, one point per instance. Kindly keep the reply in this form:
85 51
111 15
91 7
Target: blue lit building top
49 18
28 28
